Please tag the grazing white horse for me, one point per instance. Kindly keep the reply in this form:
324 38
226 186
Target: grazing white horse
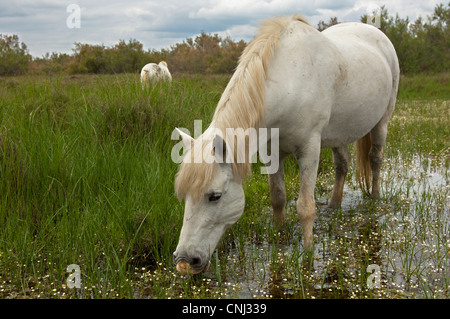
153 72
321 90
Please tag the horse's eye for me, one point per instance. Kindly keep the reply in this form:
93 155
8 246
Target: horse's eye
214 197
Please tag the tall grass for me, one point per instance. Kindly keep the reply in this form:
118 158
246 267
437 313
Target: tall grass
86 176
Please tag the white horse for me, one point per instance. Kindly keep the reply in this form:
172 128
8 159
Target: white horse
321 90
153 72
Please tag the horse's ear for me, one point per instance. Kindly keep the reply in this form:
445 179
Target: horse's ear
187 140
219 149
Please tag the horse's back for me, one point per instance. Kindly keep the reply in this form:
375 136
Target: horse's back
150 67
349 36
336 83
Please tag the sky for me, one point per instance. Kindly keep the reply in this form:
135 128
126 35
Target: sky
55 25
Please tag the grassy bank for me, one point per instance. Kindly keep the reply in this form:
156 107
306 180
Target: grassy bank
86 178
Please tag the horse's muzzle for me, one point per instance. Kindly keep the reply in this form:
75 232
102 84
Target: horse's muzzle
190 265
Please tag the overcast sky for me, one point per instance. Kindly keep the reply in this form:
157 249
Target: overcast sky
51 25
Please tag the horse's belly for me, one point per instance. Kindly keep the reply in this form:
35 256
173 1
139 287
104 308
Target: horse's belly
346 127
336 134
359 104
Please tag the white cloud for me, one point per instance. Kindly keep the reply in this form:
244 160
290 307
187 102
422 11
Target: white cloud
259 9
232 9
240 32
41 24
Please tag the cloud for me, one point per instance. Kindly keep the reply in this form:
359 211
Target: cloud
241 10
41 24
244 32
405 8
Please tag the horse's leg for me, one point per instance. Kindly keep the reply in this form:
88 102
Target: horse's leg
308 160
278 195
341 158
377 137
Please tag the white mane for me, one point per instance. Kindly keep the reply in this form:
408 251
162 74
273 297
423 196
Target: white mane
242 105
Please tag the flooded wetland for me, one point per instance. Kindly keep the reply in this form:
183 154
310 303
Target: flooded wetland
402 239
395 247
87 179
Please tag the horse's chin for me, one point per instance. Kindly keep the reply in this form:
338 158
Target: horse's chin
184 268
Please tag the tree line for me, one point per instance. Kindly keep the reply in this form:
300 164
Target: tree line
422 46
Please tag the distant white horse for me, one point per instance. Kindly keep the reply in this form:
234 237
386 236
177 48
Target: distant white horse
153 72
321 90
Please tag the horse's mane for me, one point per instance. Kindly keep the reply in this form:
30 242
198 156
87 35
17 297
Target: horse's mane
242 105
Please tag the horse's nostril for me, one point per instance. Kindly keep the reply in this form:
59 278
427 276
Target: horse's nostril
195 261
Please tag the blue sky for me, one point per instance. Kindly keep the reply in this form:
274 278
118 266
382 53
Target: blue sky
42 24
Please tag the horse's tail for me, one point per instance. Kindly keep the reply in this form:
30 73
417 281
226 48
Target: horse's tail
363 169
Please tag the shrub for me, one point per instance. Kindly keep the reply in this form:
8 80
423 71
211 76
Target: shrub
14 56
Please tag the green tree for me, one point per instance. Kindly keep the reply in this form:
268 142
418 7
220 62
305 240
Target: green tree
206 53
126 57
422 46
88 59
322 25
437 40
54 63
14 56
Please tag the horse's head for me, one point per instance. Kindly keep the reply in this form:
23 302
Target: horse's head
214 200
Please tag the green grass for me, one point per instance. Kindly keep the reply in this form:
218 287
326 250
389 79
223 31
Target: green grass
424 87
86 178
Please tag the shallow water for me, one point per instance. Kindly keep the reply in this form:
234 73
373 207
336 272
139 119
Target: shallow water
405 235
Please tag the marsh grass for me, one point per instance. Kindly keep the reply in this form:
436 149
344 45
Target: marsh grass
86 178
